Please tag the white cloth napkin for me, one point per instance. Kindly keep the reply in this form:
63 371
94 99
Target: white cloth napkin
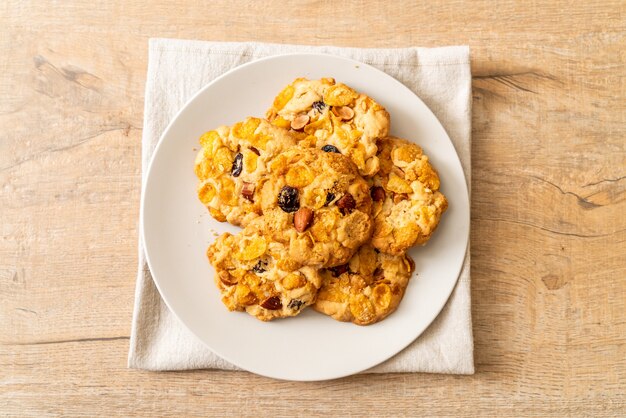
177 69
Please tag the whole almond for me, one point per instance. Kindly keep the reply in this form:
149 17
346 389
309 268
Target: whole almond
303 219
299 122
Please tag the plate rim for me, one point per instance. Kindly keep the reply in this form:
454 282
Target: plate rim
188 103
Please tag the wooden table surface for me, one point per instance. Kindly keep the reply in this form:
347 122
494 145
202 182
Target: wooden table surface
548 206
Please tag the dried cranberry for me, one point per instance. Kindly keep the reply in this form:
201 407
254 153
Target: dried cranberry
346 204
330 148
289 199
272 303
319 106
338 270
237 165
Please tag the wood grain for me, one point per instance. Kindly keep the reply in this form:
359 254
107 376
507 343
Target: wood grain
548 206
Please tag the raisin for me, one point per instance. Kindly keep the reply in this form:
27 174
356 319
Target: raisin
237 165
259 267
377 193
288 199
272 303
329 198
338 270
330 148
295 304
378 274
346 204
319 106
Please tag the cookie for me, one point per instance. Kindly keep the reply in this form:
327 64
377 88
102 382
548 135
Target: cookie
317 205
250 275
367 289
407 202
232 166
333 117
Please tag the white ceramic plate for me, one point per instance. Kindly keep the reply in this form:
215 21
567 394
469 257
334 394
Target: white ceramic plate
177 229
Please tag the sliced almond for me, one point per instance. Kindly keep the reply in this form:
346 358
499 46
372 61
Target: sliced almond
345 112
410 262
227 279
399 197
299 122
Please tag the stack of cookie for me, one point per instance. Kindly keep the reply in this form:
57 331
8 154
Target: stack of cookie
328 202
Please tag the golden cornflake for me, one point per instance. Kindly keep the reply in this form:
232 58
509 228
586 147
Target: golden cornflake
293 281
206 192
398 185
299 176
382 295
339 95
254 248
284 97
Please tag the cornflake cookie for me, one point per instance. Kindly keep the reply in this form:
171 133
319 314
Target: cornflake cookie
333 117
251 278
407 204
232 165
318 206
367 289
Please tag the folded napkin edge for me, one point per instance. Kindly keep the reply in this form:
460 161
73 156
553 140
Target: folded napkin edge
461 53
